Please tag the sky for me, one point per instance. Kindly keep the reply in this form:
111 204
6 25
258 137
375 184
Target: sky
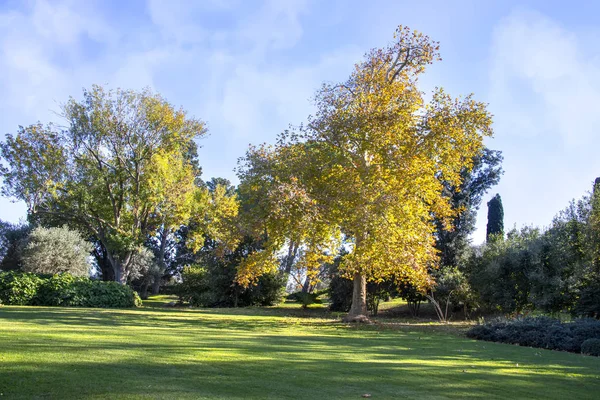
249 69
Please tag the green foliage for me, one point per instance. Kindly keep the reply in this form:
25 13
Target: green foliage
212 282
413 296
101 294
340 288
378 291
64 290
591 347
542 332
495 218
501 270
121 167
194 286
55 251
588 304
18 288
12 241
452 285
340 293
57 290
305 298
453 244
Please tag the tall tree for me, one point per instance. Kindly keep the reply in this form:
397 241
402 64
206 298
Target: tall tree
495 218
104 173
369 166
453 243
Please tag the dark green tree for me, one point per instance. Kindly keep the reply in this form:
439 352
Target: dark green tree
453 243
12 240
495 218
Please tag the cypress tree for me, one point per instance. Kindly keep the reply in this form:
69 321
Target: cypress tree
495 218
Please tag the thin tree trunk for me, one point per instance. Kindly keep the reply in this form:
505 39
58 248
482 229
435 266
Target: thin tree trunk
144 291
156 285
306 286
161 261
358 310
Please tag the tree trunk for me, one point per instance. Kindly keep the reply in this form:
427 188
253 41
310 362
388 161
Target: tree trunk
291 256
144 291
156 284
162 265
358 310
306 286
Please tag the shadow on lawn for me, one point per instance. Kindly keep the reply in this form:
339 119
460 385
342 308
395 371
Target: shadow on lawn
198 354
291 378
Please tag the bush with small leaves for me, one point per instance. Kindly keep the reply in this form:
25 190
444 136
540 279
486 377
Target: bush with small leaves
591 347
541 332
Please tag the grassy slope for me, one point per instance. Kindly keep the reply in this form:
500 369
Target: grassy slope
261 354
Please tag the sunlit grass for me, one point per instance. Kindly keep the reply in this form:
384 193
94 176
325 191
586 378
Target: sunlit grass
281 352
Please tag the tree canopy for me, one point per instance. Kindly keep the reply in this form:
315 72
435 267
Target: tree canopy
118 170
368 167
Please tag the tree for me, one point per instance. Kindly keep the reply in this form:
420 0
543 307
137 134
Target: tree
453 244
119 170
368 166
502 270
12 240
56 251
495 218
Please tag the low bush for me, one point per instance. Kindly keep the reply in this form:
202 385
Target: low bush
64 290
17 288
591 347
194 286
216 287
541 332
306 299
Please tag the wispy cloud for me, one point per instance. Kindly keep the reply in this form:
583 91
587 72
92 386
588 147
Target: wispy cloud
544 80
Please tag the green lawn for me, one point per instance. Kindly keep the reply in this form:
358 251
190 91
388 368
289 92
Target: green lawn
58 353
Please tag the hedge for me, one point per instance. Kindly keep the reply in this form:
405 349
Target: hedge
541 332
17 288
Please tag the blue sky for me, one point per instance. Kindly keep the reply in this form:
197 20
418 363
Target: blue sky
249 68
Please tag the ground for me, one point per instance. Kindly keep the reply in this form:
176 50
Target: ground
277 353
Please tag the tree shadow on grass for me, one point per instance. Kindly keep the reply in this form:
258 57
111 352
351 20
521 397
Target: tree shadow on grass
79 353
296 378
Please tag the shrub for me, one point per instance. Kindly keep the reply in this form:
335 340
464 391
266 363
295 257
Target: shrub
56 250
306 298
64 290
99 294
541 332
588 304
591 347
18 288
268 291
57 290
194 286
340 293
216 287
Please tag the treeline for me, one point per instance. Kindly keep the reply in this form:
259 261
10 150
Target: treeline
391 178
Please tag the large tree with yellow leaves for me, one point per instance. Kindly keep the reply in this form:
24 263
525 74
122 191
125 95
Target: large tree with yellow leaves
368 168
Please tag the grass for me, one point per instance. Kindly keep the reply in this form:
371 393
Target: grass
279 353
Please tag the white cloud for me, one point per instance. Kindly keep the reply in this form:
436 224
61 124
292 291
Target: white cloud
545 94
544 80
